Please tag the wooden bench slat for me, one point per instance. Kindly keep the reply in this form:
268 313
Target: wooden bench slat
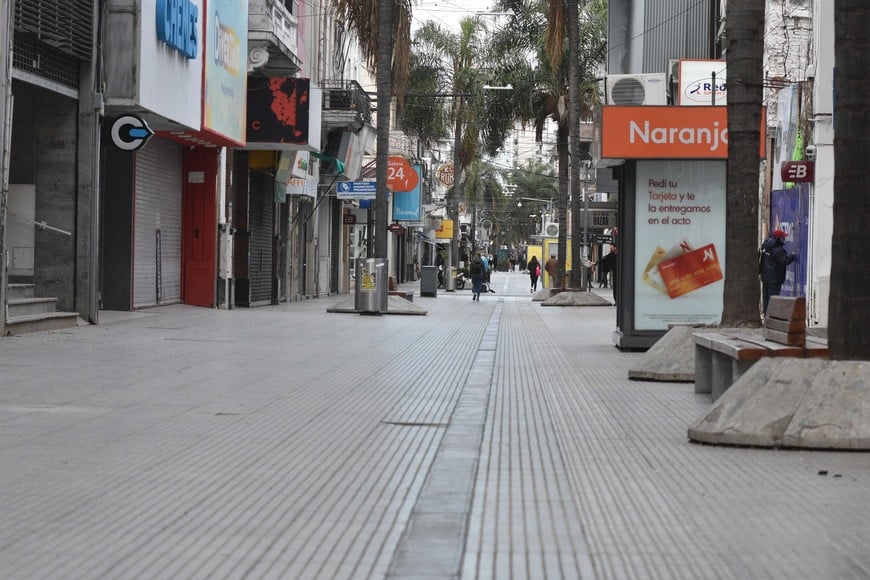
787 307
775 348
787 338
790 326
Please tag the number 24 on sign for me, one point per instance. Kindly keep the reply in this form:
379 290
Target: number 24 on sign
401 175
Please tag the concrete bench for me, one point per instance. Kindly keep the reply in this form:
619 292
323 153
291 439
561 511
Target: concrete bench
722 357
409 296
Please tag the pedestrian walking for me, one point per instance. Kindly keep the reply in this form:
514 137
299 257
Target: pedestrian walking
534 272
552 268
773 259
606 264
477 270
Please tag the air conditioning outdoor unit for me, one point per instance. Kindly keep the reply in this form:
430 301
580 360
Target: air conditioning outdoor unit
637 89
551 230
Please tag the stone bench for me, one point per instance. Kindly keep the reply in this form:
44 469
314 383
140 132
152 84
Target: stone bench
409 296
721 357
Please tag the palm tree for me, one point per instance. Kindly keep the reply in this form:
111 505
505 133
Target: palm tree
533 54
850 257
745 32
457 57
383 27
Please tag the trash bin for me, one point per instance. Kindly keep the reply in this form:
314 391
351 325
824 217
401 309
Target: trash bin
429 281
370 295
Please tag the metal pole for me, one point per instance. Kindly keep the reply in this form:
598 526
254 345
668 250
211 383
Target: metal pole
584 278
6 36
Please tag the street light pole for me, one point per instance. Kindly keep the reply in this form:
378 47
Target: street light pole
584 273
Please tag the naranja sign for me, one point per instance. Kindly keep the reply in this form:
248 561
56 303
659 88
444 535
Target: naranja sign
667 133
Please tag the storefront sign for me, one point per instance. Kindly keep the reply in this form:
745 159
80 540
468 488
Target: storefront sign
407 205
679 243
798 172
400 175
278 110
178 25
702 82
130 133
667 133
226 79
445 175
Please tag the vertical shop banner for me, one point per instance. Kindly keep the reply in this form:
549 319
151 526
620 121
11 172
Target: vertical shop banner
679 243
407 205
789 212
226 77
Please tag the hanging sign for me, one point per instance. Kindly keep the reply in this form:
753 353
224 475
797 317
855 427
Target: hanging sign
130 133
798 171
401 175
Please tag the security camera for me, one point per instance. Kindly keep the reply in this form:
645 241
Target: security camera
811 152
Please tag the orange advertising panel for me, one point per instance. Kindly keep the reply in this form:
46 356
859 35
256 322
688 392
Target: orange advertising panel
667 133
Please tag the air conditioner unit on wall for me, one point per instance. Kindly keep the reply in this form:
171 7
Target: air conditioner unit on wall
551 230
637 89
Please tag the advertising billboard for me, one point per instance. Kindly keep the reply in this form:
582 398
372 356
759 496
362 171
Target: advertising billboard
679 243
407 205
226 53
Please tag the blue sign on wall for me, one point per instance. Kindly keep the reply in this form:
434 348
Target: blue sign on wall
177 25
407 205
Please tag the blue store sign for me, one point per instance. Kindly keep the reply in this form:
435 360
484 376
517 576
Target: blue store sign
177 25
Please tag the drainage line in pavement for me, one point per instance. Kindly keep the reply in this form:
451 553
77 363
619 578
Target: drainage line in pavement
434 540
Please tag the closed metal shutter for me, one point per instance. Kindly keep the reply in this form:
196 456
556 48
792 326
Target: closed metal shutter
336 228
157 233
262 215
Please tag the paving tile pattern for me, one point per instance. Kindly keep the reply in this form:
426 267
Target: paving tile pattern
492 439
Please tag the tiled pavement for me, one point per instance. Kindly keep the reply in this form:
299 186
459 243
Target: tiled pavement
498 439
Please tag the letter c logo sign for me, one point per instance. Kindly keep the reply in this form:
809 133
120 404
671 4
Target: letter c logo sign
130 133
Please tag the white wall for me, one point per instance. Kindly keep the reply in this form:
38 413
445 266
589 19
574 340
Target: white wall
821 208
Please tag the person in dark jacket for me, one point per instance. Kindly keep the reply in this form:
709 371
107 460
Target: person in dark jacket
534 271
772 263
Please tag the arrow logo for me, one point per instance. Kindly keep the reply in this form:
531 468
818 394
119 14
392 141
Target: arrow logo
130 133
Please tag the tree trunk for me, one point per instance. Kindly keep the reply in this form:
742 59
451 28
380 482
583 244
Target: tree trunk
384 80
745 31
562 205
577 270
849 306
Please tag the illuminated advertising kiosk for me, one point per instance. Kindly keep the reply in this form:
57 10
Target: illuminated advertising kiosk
671 217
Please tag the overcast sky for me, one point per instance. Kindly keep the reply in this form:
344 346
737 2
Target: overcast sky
446 12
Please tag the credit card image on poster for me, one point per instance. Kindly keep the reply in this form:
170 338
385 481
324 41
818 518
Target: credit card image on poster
652 268
691 271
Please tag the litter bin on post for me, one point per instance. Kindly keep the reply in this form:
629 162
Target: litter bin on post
429 281
370 295
449 280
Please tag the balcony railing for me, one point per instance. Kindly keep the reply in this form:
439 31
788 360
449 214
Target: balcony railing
346 104
272 27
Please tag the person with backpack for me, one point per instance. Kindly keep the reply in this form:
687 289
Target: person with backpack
534 272
477 270
773 259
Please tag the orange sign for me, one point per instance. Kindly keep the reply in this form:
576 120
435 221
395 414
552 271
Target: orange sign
667 133
445 232
401 175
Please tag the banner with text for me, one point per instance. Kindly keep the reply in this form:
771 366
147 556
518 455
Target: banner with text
679 243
